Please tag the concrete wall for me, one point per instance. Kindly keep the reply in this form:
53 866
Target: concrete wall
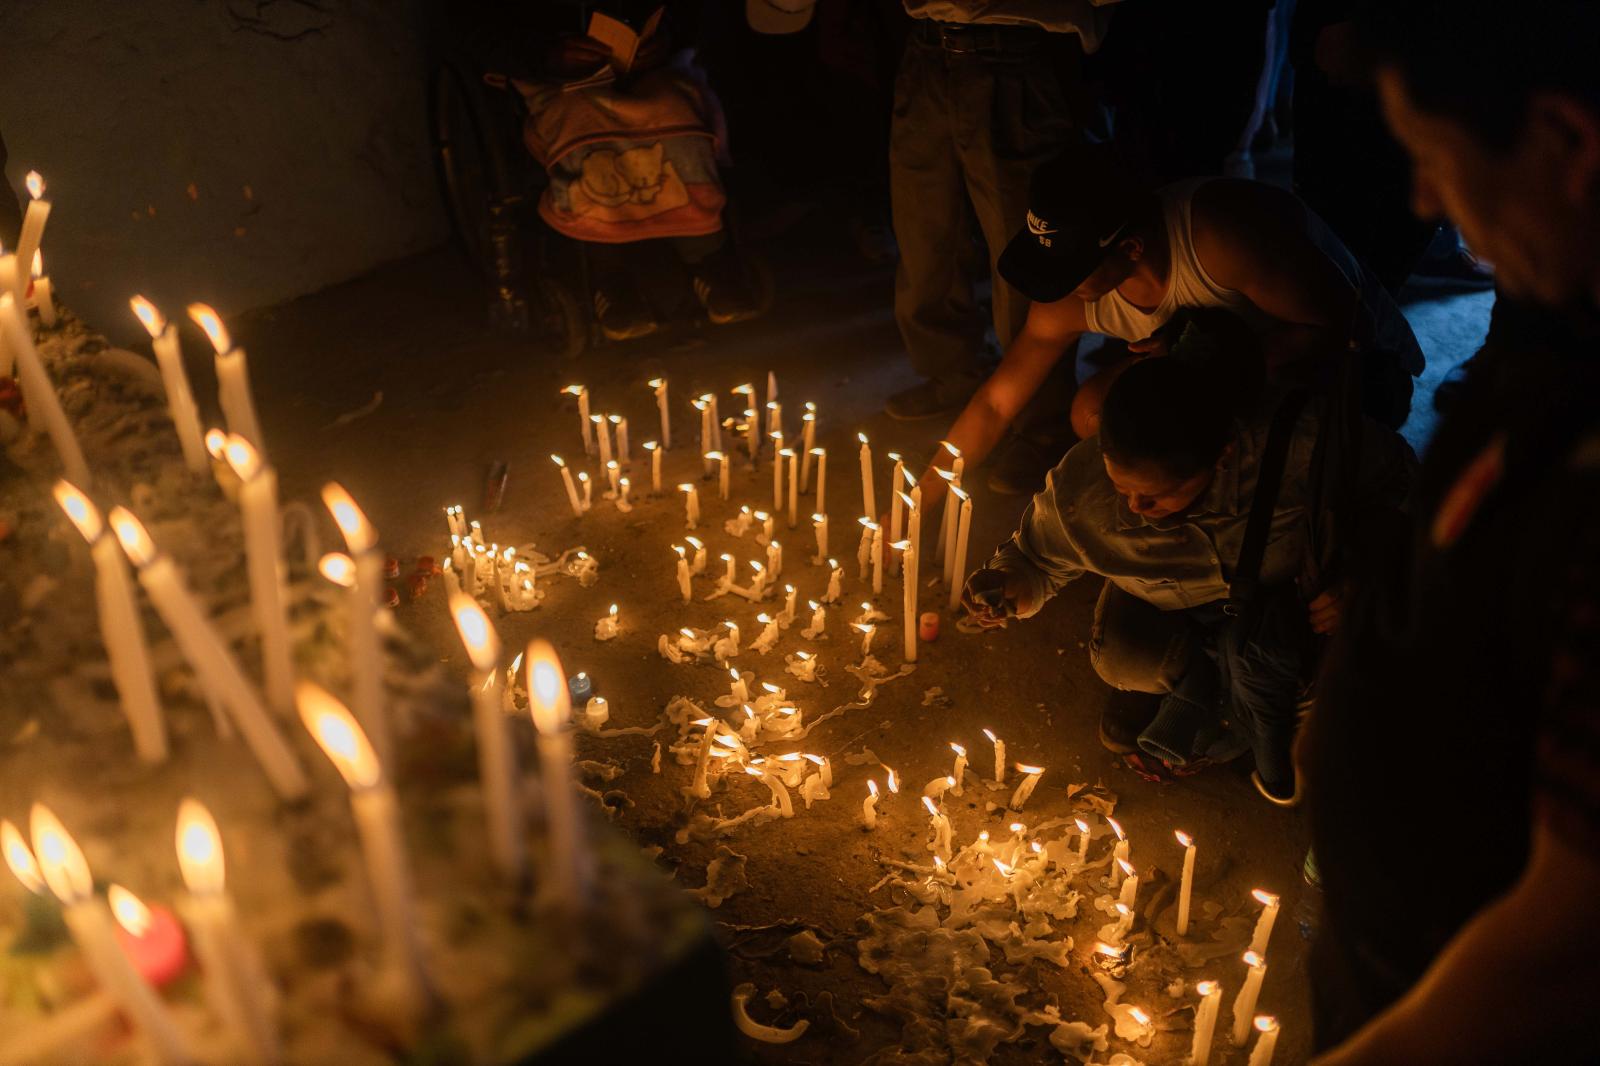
240 152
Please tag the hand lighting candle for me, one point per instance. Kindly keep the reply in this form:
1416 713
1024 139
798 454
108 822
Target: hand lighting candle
1269 915
236 987
1205 1022
233 377
660 387
180 400
497 754
213 662
65 870
584 424
999 757
1030 781
1186 885
552 709
366 651
1244 1005
377 817
869 501
258 505
121 629
44 403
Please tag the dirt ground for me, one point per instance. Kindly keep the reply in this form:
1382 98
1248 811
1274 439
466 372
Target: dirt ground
455 399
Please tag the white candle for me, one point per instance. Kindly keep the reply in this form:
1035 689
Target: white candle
685 589
1269 915
780 794
758 583
789 598
624 490
868 630
766 527
1119 854
572 489
32 229
551 706
960 768
180 400
366 652
1030 780
582 393
1186 884
999 757
614 476
940 827
602 436
497 754
219 673
699 788
258 505
737 687
808 442
43 297
1130 885
716 423
819 622
777 476
660 387
877 559
121 629
707 443
1244 1005
958 559
236 987
619 426
723 483
774 416
377 816
655 465
908 596
864 548
588 489
1266 1043
233 378
11 284
869 806
822 478
794 484
1083 841
728 571
835 583
819 524
774 559
39 392
88 919
691 505
1205 1022
914 535
869 502
897 499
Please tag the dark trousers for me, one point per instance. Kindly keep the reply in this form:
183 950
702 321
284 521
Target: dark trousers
968 128
1204 657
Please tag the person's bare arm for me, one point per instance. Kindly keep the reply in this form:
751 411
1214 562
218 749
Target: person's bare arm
1512 986
1049 330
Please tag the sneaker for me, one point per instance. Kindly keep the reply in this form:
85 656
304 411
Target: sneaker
723 288
931 399
1022 463
623 314
1124 717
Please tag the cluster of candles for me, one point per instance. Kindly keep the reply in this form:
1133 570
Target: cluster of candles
486 569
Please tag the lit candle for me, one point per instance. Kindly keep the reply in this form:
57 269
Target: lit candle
808 442
819 622
1205 1022
1244 1005
497 755
819 524
572 489
602 437
958 560
551 707
43 298
803 665
789 598
214 664
1119 854
377 817
913 534
769 634
150 936
1030 780
655 465
588 489
691 505
999 757
684 587
936 788
766 527
1186 885
1266 1043
39 392
366 652
774 417
758 583
877 559
822 478
777 474
723 483
235 985
940 831
619 426
613 476
624 489
121 629
908 595
737 687
258 505
660 387
65 870
780 795
794 484
700 788
868 630
582 393
32 228
869 502
960 767
897 500
869 806
1083 841
864 548
728 572
1269 915
1130 884
233 377
180 400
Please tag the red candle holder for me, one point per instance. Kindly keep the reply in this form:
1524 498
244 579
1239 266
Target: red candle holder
928 627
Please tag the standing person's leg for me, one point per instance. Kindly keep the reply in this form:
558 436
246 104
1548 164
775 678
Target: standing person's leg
1265 670
933 303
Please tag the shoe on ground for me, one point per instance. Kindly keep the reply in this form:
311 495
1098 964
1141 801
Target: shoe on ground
931 399
623 314
1021 464
724 289
1124 717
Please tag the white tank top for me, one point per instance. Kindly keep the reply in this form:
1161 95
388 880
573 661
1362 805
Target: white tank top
1188 285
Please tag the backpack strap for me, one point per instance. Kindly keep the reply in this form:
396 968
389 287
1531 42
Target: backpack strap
1247 574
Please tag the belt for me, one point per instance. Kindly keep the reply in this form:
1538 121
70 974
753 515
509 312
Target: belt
963 38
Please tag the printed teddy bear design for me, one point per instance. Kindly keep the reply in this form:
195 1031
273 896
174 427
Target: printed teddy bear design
633 175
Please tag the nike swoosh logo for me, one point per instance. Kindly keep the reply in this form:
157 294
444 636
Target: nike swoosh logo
1114 235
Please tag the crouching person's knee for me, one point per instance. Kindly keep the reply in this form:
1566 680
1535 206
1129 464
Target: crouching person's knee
1129 666
1134 646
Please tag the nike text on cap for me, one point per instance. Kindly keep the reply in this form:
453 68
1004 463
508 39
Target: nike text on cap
1079 205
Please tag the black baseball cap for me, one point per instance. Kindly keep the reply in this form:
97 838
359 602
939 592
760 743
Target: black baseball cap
1079 205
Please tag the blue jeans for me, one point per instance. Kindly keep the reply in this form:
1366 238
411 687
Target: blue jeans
1214 676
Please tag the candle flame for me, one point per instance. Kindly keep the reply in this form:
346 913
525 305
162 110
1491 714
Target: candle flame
1122 908
1106 949
656 383
872 787
19 857
754 771
1252 960
727 741
947 475
1018 828
84 514
817 759
686 488
650 445
35 184
959 493
958 749
208 319
482 643
1005 869
583 475
613 612
1036 847
901 545
148 316
894 782
129 910
820 451
613 465
338 734
1205 988
1265 1023
1265 898
243 458
1116 827
803 656
696 543
1185 839
1139 1016
686 631
199 848
927 801
133 537
862 437
574 390
60 861
558 460
548 698
1127 867
833 564
1029 769
1083 826
359 535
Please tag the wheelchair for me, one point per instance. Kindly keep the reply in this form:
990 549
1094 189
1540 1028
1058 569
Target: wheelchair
538 283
